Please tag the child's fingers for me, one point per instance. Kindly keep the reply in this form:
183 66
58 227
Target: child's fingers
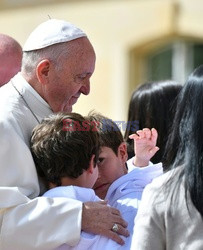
133 136
147 133
154 134
141 134
138 134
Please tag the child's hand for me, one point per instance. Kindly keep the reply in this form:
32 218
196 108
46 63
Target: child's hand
144 146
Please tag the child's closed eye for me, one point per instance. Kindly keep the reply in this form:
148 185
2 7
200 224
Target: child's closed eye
100 160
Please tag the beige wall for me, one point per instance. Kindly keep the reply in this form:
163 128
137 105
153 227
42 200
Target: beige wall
115 28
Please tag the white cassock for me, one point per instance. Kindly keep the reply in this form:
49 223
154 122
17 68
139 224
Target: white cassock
27 221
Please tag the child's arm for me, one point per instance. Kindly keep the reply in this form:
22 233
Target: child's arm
144 146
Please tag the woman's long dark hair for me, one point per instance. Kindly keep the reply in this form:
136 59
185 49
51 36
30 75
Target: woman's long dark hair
185 143
153 106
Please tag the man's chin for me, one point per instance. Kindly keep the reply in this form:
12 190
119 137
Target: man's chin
68 109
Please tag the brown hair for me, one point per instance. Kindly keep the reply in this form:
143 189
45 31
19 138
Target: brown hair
61 150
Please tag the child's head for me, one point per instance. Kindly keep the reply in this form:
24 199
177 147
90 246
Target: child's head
62 149
113 154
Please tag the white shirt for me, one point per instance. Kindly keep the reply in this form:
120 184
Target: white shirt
126 192
87 241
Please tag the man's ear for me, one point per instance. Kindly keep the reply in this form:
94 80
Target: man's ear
122 152
42 71
91 165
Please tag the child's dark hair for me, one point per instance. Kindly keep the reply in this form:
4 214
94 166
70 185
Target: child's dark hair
61 149
109 132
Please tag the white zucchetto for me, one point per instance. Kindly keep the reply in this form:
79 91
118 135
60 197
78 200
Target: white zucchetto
51 32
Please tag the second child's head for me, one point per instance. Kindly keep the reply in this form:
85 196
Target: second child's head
113 154
64 153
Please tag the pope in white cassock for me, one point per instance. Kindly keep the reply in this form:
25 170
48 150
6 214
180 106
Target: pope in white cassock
58 61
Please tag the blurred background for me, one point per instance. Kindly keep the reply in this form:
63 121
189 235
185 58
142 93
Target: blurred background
135 41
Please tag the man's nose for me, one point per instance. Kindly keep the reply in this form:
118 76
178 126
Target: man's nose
85 89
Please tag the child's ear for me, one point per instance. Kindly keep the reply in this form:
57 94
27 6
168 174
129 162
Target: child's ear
91 165
122 151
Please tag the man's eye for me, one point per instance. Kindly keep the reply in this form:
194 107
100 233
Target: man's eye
82 77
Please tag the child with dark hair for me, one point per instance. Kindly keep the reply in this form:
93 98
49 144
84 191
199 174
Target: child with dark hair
75 153
152 105
121 182
66 157
63 154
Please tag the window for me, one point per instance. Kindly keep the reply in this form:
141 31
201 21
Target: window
159 65
174 61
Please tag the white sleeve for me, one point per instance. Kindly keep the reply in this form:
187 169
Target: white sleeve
26 221
131 166
42 223
148 232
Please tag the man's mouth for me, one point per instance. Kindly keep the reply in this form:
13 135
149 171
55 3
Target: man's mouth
74 99
70 103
